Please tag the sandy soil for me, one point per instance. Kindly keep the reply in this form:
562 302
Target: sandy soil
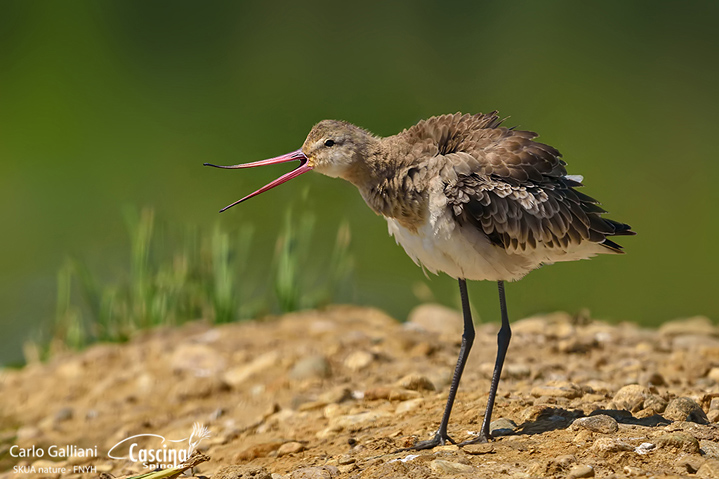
334 393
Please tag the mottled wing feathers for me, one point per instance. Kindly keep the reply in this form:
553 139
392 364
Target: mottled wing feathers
511 187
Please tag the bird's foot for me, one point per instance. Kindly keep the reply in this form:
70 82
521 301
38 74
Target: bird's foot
481 439
438 440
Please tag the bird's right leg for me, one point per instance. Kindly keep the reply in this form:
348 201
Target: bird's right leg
441 437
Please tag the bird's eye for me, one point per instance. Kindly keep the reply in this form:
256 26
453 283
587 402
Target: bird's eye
329 143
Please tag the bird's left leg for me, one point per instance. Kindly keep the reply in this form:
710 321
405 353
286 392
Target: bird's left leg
503 337
441 437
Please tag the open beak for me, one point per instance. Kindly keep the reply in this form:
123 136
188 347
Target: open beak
295 155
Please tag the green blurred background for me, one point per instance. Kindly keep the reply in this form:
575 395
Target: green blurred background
105 104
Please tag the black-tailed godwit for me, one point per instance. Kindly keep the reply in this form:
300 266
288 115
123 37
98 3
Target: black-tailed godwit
468 197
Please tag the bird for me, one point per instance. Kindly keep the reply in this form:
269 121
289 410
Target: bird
468 197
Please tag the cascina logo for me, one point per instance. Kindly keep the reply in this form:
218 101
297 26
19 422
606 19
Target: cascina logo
153 450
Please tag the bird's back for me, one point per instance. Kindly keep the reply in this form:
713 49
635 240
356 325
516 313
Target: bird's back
491 191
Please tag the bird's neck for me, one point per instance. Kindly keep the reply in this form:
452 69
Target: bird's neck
382 181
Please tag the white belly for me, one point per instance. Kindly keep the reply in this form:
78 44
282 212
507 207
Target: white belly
459 252
442 244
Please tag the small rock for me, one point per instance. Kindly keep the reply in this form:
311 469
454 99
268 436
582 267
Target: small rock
709 449
242 472
290 448
655 403
710 469
336 395
311 367
654 379
690 462
700 325
694 342
199 359
685 409
713 415
438 319
409 405
393 394
633 471
534 413
569 391
579 471
442 466
644 448
239 374
517 371
345 459
28 432
358 360
416 382
502 427
607 445
346 468
679 440
316 472
258 450
631 397
477 449
63 414
600 423
354 420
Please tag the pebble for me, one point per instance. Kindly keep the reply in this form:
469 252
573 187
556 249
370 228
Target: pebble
606 445
645 447
393 394
517 371
579 471
242 472
311 367
709 449
437 319
700 325
353 420
679 440
290 448
656 403
409 405
690 462
631 397
316 472
633 471
63 414
502 427
710 469
336 395
416 382
358 360
569 391
199 359
477 449
258 450
442 466
694 342
685 409
600 423
345 459
237 375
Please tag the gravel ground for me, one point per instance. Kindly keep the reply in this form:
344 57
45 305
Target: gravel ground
334 393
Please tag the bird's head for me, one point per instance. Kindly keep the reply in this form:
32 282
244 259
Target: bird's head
336 148
333 148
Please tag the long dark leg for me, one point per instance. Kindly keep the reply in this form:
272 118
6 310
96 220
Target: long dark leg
441 437
503 337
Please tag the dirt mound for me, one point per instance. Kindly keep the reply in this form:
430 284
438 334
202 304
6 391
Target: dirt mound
333 393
